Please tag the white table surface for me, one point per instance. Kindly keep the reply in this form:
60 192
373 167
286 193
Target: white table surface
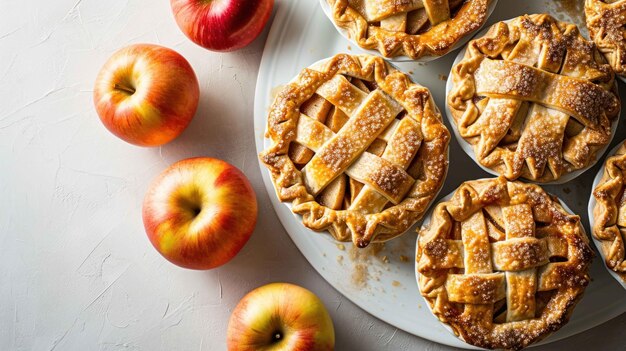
78 272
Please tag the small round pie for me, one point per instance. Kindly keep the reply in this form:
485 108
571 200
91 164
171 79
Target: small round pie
413 28
357 148
606 21
502 263
609 213
534 99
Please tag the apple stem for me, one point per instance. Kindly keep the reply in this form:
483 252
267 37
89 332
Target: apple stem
129 90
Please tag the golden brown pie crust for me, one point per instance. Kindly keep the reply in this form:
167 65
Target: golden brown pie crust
443 28
408 189
502 263
610 212
606 21
534 99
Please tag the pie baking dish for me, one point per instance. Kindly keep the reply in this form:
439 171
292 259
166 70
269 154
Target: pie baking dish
502 263
606 20
408 30
607 212
533 99
357 148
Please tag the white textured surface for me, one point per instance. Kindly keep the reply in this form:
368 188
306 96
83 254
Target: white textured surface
77 270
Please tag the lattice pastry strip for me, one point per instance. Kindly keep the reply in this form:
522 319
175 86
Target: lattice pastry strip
521 285
385 176
317 108
502 263
414 28
478 286
401 148
534 99
356 135
357 148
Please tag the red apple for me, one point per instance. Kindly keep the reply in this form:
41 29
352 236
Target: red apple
146 94
280 317
200 212
222 25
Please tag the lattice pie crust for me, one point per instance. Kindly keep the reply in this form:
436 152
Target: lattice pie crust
606 21
414 28
502 263
610 212
534 99
357 148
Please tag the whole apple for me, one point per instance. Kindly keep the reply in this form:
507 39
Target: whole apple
146 94
280 317
222 25
200 212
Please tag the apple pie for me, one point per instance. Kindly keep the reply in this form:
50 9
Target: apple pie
606 21
609 213
502 263
357 148
534 99
414 28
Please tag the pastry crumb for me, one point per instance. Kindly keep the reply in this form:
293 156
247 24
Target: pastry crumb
360 274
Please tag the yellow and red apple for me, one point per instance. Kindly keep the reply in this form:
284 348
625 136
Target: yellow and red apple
222 25
146 94
280 317
200 212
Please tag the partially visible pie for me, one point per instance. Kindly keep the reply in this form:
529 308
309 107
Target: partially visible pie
534 99
413 28
610 212
606 21
502 263
357 148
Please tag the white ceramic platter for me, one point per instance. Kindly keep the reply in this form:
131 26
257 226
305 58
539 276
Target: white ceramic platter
301 35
